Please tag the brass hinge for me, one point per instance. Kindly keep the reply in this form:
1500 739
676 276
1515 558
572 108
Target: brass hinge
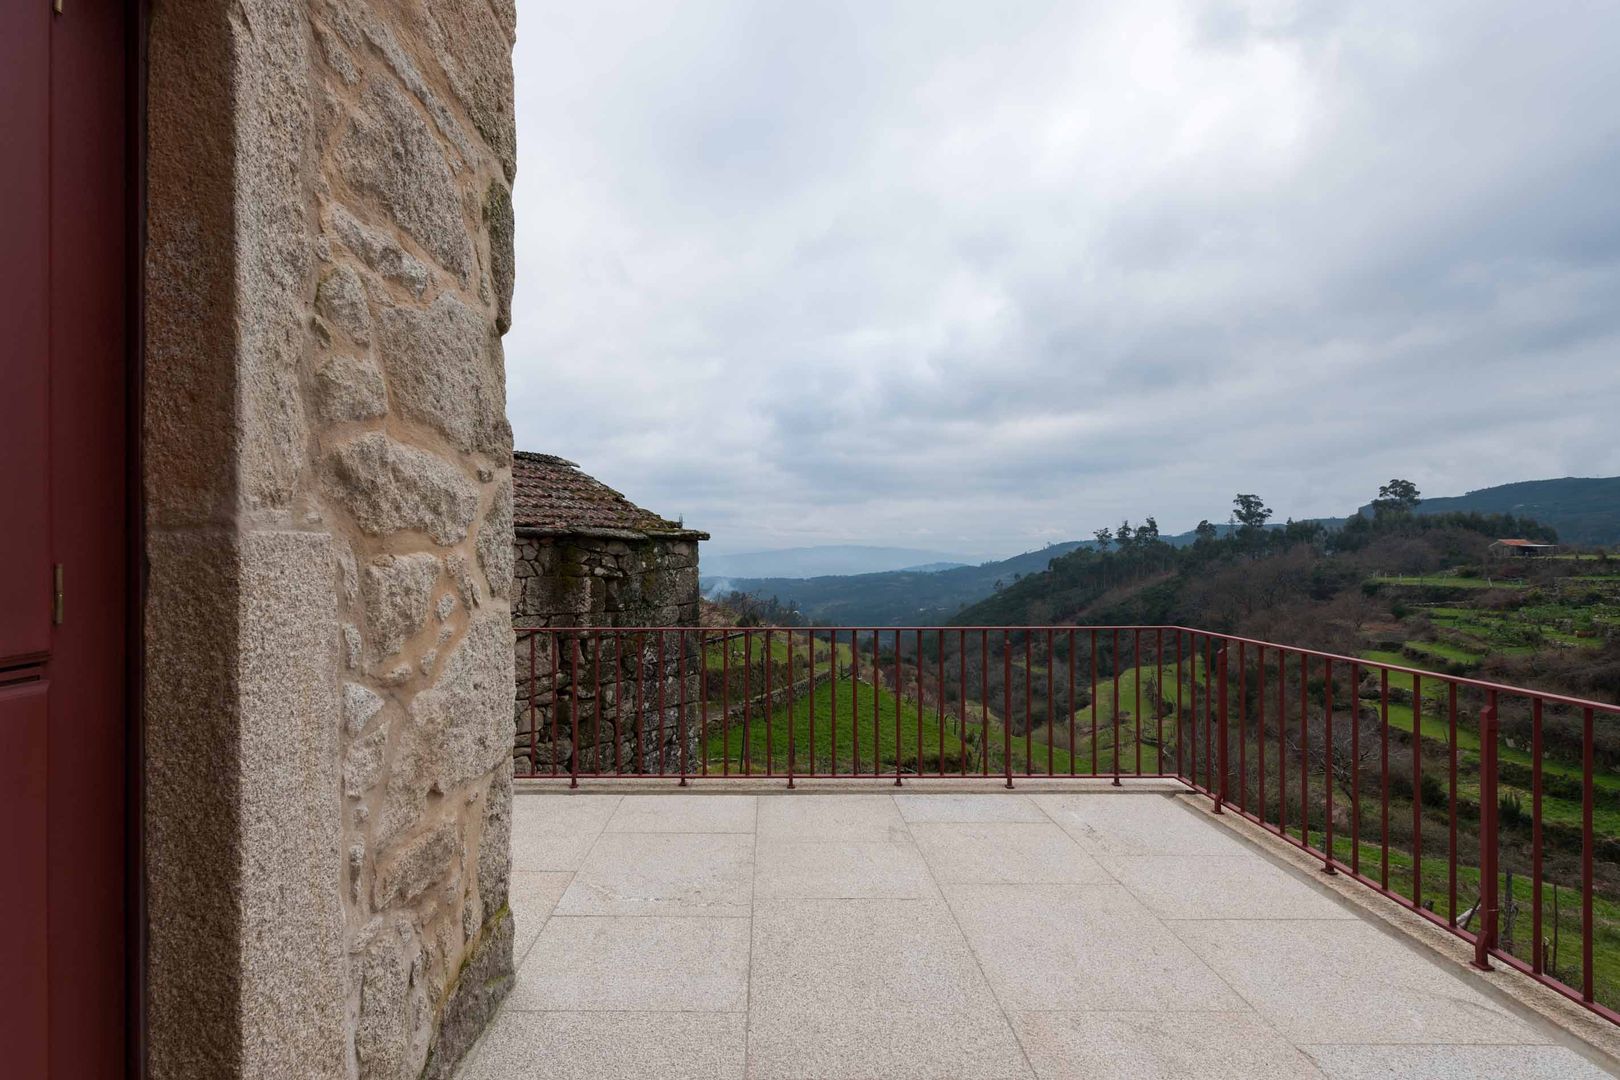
56 6
56 597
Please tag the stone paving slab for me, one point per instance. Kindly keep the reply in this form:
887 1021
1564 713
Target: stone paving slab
533 896
1454 1063
1333 981
1081 947
833 870
917 809
664 874
1158 1046
611 1046
809 818
1135 825
894 1044
1220 887
1050 933
1006 852
684 814
635 963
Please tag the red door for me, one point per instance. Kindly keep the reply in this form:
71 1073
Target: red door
64 565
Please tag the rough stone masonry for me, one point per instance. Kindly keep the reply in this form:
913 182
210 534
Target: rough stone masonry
329 682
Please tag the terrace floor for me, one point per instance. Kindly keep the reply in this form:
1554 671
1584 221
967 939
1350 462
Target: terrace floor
983 934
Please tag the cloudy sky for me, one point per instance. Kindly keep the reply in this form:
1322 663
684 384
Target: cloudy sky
975 276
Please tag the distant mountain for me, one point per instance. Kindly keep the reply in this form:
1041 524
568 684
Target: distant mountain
1584 510
827 559
893 598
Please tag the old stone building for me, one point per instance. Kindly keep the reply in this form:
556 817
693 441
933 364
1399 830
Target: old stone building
263 260
587 556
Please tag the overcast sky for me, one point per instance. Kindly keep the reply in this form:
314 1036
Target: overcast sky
975 276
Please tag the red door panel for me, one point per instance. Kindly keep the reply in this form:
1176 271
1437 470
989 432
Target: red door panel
25 570
64 358
88 315
23 896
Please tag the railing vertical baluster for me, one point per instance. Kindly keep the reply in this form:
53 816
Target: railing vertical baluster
877 705
554 645
1181 742
899 682
1007 704
618 697
1069 702
1538 962
1588 844
1260 730
1242 717
1355 768
1485 937
1115 661
961 700
1282 743
1136 672
1417 790
1096 707
725 703
1451 806
1220 719
1304 751
1158 700
792 702
855 703
1327 767
1383 779
641 703
1192 710
534 716
1210 688
921 697
744 759
770 708
703 699
573 689
1051 704
939 644
810 697
681 700
832 720
596 684
984 702
1029 703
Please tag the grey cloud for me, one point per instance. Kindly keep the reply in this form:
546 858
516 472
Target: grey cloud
986 275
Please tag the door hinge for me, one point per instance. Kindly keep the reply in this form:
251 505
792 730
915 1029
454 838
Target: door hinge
56 6
56 597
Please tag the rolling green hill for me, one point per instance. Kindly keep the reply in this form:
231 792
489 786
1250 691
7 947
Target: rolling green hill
1584 510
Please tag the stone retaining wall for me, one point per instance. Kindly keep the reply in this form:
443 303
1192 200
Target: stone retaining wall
603 581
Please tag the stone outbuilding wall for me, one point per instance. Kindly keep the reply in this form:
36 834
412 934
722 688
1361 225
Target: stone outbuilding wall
586 556
327 476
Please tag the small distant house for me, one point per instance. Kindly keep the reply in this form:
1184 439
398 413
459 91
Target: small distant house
1521 549
587 556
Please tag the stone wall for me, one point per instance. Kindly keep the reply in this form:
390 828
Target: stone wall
609 581
329 644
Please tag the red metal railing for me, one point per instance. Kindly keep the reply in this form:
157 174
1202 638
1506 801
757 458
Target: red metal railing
1410 782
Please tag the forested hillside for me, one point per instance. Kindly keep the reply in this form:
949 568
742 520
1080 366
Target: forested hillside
1584 510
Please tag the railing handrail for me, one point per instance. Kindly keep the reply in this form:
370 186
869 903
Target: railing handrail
1547 696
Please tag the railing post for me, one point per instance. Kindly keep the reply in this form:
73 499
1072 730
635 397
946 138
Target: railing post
1485 939
1220 723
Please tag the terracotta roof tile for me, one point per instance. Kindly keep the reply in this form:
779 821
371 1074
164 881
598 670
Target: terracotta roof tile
551 495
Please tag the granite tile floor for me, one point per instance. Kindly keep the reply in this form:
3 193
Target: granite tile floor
825 936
